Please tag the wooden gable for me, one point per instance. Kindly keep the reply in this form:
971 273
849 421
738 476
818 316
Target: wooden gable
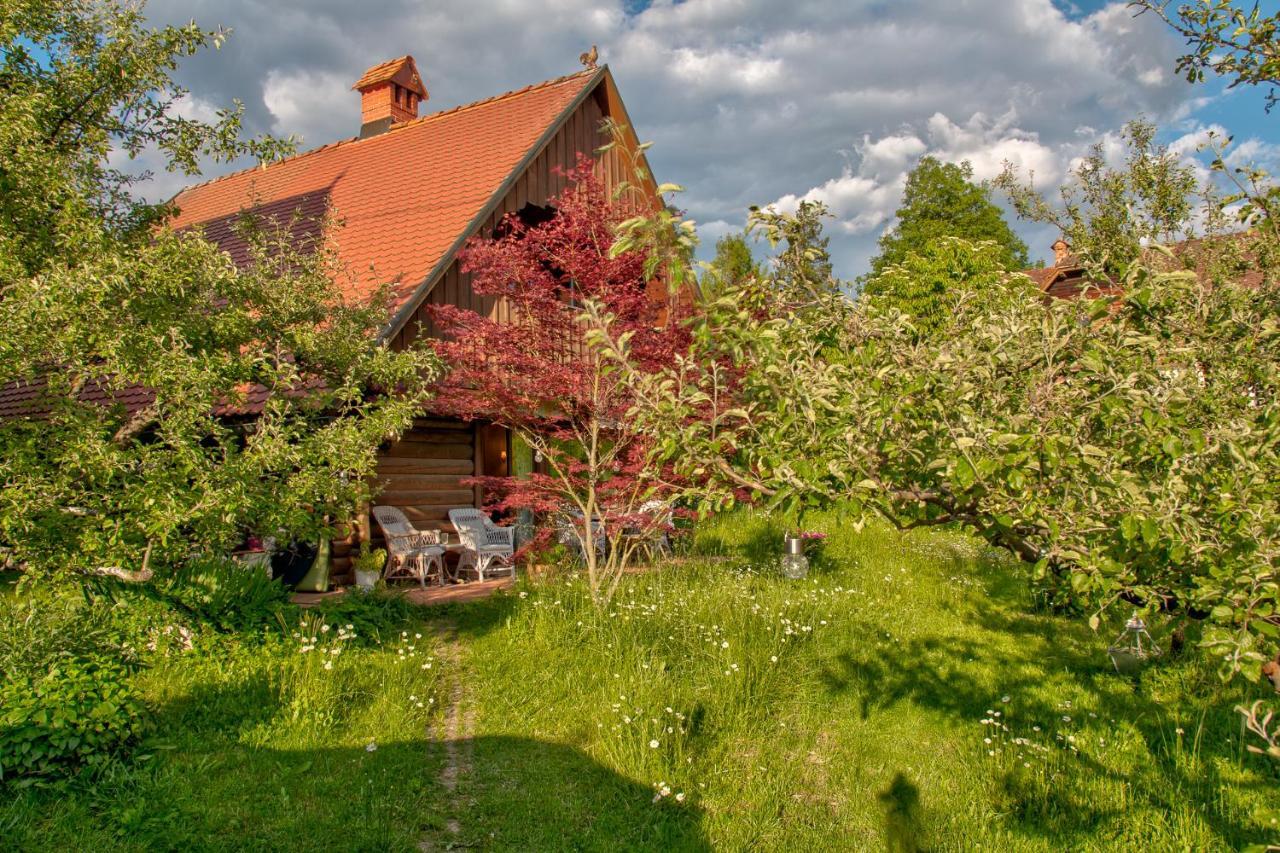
538 182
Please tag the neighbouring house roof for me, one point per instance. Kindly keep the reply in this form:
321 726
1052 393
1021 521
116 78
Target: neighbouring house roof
1068 278
405 199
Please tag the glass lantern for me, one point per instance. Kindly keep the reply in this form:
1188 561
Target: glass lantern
1133 647
795 565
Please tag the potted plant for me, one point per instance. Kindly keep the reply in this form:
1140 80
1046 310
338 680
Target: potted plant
368 565
813 541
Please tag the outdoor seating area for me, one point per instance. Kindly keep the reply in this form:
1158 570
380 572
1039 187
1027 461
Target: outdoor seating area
478 549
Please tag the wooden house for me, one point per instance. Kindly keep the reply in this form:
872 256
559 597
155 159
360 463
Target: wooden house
406 195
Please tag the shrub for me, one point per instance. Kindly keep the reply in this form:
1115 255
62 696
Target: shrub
66 700
373 616
228 596
79 713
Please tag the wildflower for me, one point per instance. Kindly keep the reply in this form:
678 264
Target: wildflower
324 629
328 664
653 744
371 746
680 797
1004 699
773 659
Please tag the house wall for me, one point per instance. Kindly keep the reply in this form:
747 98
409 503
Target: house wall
420 473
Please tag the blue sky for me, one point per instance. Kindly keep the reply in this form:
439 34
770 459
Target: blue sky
751 101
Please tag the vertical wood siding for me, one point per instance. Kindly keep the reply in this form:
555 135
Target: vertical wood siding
539 185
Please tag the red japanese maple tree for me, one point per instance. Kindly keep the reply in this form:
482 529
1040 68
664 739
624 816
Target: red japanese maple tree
528 368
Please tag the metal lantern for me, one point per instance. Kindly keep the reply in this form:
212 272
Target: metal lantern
795 565
1133 647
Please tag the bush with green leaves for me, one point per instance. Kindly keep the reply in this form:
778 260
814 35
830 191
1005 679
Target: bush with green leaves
1128 450
80 713
224 594
376 617
66 694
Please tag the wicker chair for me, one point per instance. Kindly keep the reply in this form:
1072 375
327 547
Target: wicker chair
411 552
486 547
653 534
569 533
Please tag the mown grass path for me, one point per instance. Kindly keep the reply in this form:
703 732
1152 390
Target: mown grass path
452 733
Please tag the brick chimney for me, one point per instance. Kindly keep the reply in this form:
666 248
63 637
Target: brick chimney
1061 252
389 94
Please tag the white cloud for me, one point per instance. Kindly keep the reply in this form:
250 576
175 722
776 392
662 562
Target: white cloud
302 102
747 100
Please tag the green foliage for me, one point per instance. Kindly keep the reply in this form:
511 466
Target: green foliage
67 700
1226 39
733 263
1107 214
79 713
802 269
96 300
378 616
1126 449
82 79
925 282
941 200
225 595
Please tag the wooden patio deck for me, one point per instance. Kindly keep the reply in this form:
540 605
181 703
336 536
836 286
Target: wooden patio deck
454 593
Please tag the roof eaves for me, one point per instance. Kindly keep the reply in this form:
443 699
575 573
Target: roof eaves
424 288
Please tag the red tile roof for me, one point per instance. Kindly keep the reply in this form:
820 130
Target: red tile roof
403 198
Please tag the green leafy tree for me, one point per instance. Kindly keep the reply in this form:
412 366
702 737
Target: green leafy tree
1108 213
803 264
1234 41
923 284
1125 448
734 263
176 400
941 200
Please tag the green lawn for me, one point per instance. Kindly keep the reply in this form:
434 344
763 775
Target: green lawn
904 697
